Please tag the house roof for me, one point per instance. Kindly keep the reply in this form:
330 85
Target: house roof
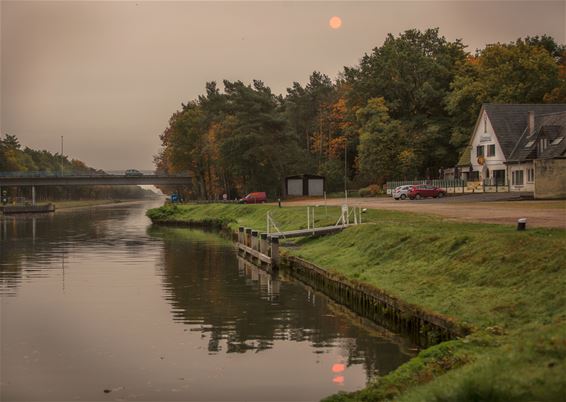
465 158
510 122
551 126
304 176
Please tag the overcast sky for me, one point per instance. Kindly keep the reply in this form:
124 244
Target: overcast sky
108 75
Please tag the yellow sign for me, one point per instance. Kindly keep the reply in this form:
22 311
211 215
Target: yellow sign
481 160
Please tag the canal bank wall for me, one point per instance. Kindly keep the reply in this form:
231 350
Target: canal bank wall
422 327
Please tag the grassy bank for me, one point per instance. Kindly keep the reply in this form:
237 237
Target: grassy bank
507 285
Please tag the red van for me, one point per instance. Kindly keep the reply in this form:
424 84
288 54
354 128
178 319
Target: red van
254 198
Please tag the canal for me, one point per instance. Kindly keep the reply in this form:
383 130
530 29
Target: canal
97 304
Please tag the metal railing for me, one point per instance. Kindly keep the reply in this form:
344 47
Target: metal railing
442 183
33 174
455 186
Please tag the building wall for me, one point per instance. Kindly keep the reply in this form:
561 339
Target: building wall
485 135
550 178
528 185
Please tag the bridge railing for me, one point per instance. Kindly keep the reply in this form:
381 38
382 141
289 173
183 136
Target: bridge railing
51 174
78 174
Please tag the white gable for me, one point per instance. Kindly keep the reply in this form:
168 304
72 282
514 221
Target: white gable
484 136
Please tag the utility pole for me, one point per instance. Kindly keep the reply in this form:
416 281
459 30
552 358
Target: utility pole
61 155
346 168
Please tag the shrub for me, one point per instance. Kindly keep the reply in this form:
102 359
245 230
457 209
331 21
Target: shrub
370 191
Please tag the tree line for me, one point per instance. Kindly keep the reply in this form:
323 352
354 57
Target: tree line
406 111
15 159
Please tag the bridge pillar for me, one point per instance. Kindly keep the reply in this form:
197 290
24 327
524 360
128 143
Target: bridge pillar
32 195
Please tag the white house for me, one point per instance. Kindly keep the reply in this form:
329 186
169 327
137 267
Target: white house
508 138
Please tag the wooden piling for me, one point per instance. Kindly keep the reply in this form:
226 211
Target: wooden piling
263 245
255 240
248 237
275 259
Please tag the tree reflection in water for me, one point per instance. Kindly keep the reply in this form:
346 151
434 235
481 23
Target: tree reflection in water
241 308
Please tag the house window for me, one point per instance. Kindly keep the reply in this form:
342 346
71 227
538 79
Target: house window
491 150
517 178
479 150
530 175
485 124
543 144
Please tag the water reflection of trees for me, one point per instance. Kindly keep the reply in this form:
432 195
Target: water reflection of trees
241 308
35 242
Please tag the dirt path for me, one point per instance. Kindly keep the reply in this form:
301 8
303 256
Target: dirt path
469 209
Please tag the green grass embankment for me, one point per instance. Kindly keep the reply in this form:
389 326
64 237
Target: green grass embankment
509 286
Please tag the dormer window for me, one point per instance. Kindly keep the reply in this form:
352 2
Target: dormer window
543 144
557 141
529 144
485 125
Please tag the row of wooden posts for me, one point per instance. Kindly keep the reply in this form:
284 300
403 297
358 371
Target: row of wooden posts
261 246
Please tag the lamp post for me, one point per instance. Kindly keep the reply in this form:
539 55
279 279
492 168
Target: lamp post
346 169
61 155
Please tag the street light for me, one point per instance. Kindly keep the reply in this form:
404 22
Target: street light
61 155
346 169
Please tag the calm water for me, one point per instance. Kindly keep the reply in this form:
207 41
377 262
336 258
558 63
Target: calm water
99 300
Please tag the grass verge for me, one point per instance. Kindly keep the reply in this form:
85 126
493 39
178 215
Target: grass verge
507 285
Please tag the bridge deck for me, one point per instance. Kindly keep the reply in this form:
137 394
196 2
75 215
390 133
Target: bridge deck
112 180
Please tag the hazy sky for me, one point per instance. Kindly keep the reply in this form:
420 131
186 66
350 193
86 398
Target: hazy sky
108 75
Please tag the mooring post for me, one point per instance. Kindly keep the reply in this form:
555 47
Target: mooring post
275 251
255 242
263 243
241 234
248 236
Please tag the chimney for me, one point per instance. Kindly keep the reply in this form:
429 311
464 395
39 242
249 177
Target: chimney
531 122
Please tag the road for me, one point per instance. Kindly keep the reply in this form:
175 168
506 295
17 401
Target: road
489 208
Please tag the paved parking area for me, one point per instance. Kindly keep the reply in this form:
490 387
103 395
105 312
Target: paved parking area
501 208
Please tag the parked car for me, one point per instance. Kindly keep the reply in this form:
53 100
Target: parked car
424 191
133 172
254 198
400 193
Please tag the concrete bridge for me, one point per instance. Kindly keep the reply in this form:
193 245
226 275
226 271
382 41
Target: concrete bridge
43 179
92 180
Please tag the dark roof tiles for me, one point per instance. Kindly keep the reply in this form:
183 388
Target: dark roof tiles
510 121
550 126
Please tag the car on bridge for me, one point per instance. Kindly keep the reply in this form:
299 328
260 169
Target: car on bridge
133 172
